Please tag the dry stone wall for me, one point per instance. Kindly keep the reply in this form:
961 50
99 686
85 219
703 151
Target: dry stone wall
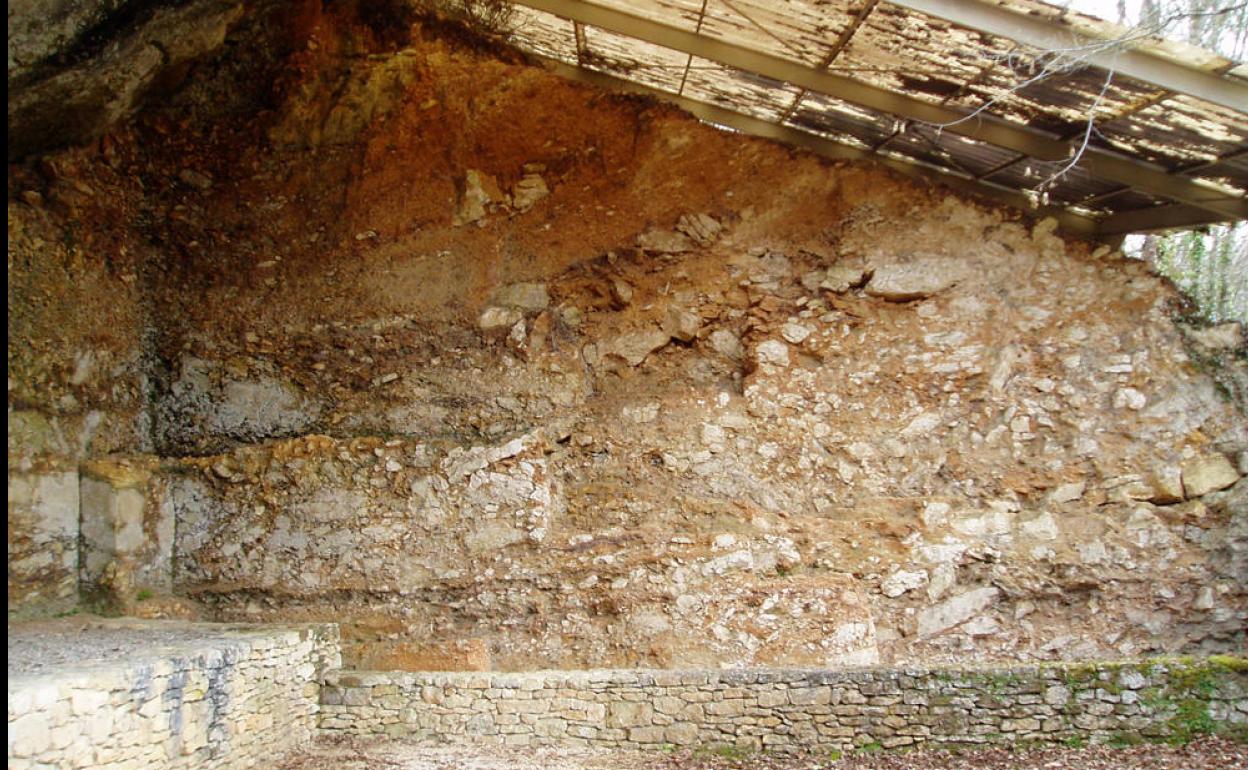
230 699
784 709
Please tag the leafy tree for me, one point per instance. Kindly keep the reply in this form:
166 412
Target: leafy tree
1209 265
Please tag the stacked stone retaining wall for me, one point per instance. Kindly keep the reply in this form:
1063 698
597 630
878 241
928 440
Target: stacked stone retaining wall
785 709
236 698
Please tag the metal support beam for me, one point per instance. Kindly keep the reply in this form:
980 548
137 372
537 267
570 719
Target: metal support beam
1037 144
1154 219
1045 35
684 76
1070 222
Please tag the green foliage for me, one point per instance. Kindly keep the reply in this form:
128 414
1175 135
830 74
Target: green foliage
1191 720
1210 267
870 748
143 595
1075 742
1000 683
1229 663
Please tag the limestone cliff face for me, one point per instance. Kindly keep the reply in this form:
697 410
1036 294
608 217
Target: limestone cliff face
501 371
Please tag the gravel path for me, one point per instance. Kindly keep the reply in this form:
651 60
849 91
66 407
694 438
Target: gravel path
356 754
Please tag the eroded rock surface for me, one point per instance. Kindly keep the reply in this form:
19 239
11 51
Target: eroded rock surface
617 418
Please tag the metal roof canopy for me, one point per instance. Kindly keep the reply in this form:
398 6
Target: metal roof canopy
938 88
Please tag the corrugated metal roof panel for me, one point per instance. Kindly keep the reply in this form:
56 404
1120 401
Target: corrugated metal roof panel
919 57
746 92
825 115
1178 132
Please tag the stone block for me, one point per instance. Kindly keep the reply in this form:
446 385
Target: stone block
629 714
646 735
811 696
726 708
681 734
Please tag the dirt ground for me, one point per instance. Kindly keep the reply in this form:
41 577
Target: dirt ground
1205 754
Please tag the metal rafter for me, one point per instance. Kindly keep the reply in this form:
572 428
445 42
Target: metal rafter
759 26
684 76
1126 112
1043 34
1189 169
1037 144
1152 219
582 47
842 40
829 148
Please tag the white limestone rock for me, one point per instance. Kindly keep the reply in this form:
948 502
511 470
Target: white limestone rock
726 344
910 281
842 278
772 352
1129 398
1166 483
495 318
795 333
956 610
1042 527
1067 493
902 581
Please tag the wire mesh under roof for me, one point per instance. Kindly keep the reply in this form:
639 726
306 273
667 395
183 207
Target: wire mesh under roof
1024 101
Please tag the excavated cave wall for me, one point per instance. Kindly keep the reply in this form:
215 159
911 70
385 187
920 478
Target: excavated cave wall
504 372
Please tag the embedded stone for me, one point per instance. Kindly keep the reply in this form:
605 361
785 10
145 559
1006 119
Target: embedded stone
956 610
902 581
496 318
904 282
772 352
636 347
523 296
1208 474
726 344
664 242
682 324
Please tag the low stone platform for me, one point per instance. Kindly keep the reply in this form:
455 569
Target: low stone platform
782 710
104 693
